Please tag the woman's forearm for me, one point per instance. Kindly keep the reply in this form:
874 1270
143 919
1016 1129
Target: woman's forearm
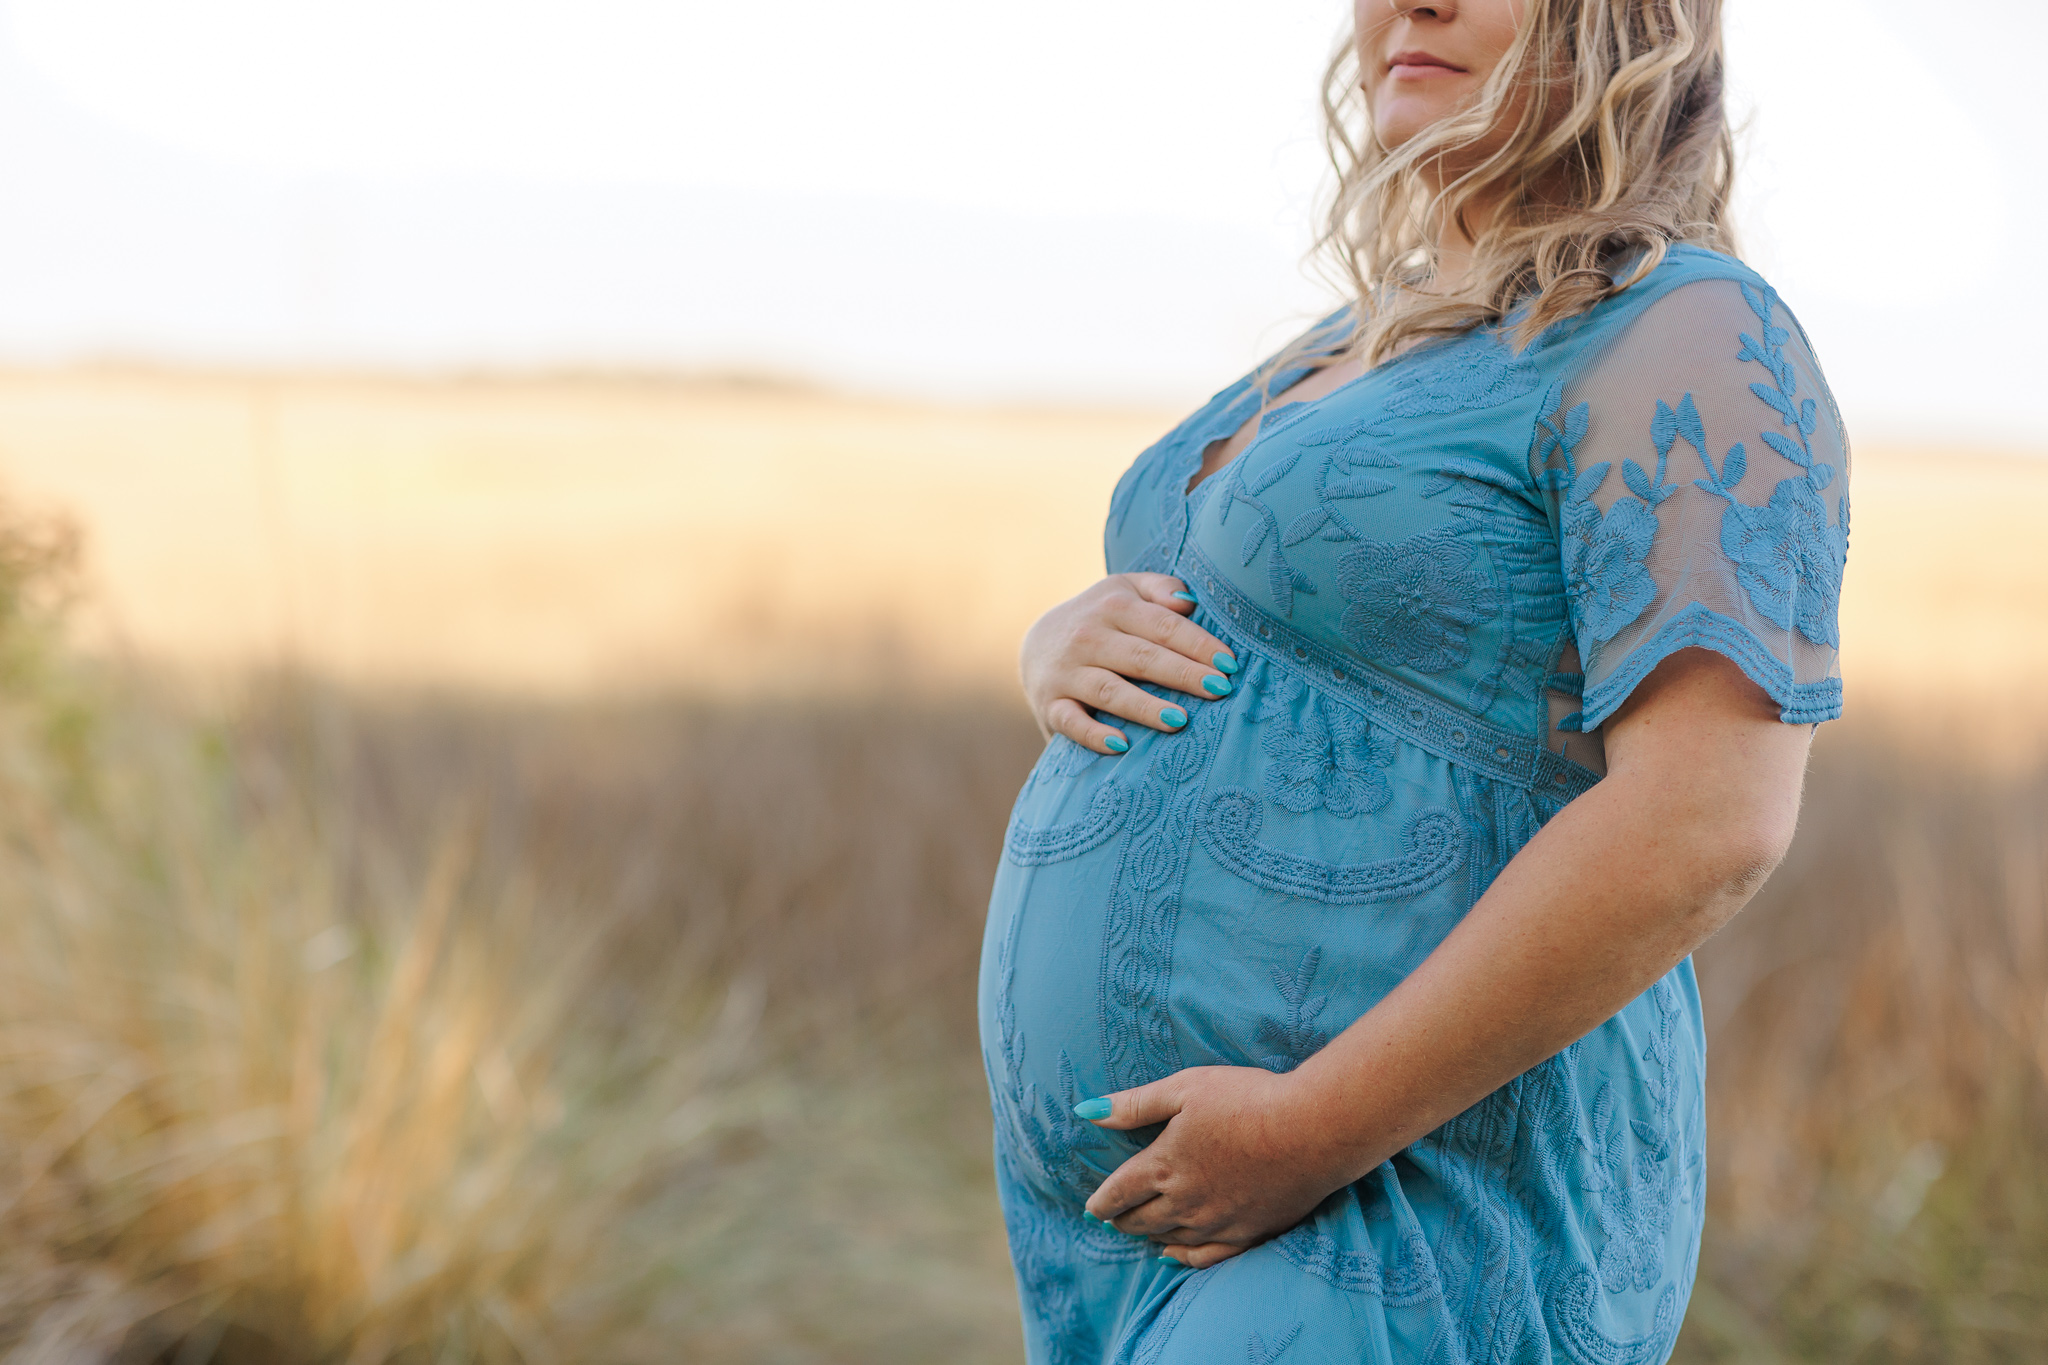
1606 899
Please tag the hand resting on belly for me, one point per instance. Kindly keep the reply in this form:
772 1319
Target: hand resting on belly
1086 652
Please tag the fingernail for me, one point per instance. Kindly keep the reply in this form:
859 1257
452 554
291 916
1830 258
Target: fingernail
1187 597
1168 1259
1215 686
1173 718
1089 1216
1117 744
1225 663
1093 1110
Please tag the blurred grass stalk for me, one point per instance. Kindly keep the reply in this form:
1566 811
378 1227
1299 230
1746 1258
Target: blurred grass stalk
1878 1068
250 1111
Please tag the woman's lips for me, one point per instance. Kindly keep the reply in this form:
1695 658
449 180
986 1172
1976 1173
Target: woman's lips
1420 66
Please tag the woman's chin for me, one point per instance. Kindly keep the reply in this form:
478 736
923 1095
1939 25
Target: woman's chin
1396 130
1402 114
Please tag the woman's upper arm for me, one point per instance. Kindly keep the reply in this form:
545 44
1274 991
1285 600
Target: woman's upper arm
1702 744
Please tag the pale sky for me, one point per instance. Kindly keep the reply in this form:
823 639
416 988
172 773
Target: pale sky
1092 200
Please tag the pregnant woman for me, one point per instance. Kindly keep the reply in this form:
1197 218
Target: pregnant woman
1454 680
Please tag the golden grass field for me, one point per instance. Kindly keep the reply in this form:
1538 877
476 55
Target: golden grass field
547 931
565 536
577 536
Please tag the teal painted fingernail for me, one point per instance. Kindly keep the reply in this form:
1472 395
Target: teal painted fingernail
1089 1216
1187 597
1173 718
1092 1110
1117 744
1168 1259
1215 686
1225 663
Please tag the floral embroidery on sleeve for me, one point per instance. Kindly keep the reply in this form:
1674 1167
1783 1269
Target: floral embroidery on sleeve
1603 564
1412 602
1605 573
1787 558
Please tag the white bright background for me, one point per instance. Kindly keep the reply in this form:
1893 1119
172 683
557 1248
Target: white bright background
1074 200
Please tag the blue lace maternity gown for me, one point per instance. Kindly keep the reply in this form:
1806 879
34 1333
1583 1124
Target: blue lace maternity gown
1440 579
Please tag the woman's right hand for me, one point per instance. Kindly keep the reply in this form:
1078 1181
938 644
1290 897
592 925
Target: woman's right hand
1088 653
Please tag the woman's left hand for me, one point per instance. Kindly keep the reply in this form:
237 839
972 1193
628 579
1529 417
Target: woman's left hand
1243 1157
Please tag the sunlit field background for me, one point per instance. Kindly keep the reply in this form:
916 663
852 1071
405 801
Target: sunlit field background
494 870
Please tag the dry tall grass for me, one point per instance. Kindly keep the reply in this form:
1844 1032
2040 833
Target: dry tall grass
1878 1071
269 1091
344 1032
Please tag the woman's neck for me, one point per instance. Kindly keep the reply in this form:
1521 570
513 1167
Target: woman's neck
1454 249
1453 265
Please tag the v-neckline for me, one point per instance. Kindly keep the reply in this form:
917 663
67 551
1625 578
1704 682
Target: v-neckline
1198 480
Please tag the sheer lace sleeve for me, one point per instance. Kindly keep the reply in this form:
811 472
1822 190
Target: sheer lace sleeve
1698 477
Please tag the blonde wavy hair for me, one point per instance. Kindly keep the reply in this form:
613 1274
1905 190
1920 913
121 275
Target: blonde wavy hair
1599 140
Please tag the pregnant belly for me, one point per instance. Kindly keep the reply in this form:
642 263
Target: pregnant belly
1041 1024
1137 928
1163 914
